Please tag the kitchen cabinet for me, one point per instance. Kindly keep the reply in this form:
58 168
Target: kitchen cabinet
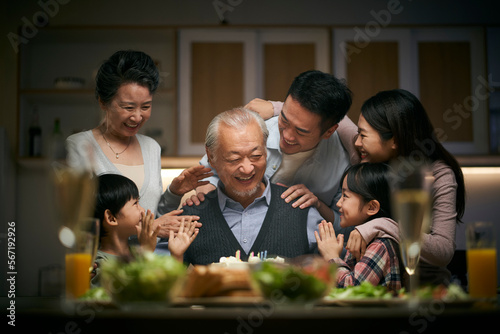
444 67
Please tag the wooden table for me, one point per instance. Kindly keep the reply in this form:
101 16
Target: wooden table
46 315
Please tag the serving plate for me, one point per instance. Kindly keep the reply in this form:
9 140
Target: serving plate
218 301
393 302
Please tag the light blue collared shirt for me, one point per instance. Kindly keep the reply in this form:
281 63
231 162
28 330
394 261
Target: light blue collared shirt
245 223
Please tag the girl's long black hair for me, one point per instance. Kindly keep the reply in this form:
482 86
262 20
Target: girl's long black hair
371 182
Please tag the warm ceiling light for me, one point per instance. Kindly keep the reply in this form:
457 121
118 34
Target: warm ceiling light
481 170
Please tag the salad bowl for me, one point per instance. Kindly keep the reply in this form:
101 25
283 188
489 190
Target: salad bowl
147 280
299 282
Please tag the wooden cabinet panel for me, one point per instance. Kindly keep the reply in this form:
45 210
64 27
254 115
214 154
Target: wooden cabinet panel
445 72
372 70
217 83
282 63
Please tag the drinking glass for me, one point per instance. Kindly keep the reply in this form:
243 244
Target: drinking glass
411 183
84 239
481 260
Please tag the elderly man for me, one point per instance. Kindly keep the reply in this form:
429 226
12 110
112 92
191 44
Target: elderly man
246 212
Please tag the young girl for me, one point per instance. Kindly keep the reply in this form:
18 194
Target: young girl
365 197
121 216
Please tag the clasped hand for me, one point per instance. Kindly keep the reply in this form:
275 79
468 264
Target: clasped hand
171 222
329 245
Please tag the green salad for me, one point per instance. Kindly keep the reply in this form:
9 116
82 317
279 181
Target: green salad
98 294
453 292
364 290
146 277
291 283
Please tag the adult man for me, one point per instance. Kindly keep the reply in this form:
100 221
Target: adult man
305 151
246 211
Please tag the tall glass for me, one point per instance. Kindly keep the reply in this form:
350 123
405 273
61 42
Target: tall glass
481 260
411 183
80 257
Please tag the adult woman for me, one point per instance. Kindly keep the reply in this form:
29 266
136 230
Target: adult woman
394 124
125 85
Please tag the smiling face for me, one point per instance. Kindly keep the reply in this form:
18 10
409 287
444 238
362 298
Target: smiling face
353 210
129 109
300 129
129 217
371 146
240 161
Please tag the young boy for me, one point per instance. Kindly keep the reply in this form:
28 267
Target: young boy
121 216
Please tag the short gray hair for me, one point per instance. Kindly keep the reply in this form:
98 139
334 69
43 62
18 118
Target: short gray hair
236 118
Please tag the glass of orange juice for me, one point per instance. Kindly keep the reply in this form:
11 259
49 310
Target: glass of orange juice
84 238
481 260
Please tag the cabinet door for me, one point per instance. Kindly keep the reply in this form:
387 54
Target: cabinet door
372 63
453 87
285 53
444 68
216 74
217 82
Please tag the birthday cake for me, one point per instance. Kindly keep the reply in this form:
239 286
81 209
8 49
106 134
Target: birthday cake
236 262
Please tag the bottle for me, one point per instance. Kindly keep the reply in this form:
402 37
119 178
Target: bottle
35 136
57 143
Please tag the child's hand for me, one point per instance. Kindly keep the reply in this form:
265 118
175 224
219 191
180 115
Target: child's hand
178 244
146 233
329 245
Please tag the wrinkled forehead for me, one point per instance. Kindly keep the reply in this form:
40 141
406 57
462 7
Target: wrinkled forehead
243 138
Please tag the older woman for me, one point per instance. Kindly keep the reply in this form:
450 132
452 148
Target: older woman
125 85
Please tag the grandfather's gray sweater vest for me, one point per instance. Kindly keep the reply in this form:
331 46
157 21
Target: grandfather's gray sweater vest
283 232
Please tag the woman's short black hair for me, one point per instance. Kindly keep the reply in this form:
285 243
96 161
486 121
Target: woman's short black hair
371 182
126 66
113 192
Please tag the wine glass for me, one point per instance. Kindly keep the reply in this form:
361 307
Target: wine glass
411 182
